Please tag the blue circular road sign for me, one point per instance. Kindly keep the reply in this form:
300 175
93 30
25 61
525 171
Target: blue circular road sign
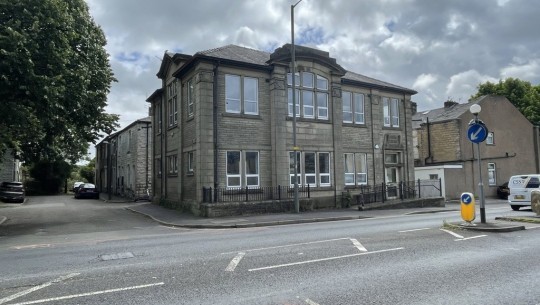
477 132
466 198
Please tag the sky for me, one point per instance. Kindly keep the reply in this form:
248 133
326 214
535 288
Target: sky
442 49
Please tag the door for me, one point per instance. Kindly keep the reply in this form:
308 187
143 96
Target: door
392 182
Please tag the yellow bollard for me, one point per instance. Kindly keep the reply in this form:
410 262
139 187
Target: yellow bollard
468 211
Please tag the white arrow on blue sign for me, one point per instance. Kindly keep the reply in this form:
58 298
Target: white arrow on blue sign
466 198
477 132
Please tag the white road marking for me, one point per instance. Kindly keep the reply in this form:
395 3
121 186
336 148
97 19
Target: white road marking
452 233
310 302
291 245
31 246
73 296
472 237
413 230
36 288
235 261
535 227
322 259
358 245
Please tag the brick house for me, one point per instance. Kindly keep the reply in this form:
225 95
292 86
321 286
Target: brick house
223 120
442 149
129 154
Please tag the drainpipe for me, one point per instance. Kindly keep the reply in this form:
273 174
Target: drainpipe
536 134
429 143
372 134
215 126
406 139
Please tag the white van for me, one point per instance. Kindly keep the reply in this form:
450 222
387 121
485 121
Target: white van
520 190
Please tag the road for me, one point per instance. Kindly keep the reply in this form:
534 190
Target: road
90 252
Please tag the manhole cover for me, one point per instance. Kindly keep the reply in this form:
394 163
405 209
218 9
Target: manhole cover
110 257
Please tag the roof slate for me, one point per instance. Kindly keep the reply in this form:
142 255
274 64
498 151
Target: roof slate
252 56
443 114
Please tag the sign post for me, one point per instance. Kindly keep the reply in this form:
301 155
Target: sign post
478 133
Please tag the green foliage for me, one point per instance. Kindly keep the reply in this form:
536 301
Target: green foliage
54 79
49 177
88 172
521 94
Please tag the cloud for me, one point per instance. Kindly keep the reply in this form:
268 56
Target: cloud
464 84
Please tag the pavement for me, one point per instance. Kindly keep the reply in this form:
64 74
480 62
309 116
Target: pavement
176 218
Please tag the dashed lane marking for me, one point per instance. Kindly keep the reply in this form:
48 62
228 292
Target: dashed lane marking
358 245
413 230
236 260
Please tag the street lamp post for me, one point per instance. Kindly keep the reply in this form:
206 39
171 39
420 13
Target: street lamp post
475 110
293 76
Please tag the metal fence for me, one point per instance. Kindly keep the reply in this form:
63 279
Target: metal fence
246 194
366 194
362 194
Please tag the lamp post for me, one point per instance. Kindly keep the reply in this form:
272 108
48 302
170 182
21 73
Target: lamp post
475 110
293 76
109 169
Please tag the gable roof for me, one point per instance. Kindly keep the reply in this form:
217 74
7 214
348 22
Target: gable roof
243 55
444 114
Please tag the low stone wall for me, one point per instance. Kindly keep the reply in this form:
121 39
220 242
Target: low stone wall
286 206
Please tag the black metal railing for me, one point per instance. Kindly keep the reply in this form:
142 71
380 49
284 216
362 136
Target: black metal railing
247 194
365 194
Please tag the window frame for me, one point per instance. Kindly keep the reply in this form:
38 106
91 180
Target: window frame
245 84
246 168
318 108
492 174
233 175
325 173
190 96
490 139
391 112
190 162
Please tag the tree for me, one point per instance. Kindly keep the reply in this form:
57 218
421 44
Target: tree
54 79
88 171
521 94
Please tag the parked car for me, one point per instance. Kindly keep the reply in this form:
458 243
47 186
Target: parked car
87 190
503 191
12 191
76 186
520 190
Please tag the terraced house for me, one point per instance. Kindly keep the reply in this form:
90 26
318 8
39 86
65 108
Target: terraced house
223 122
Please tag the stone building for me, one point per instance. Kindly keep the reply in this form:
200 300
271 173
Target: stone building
10 167
124 161
224 120
443 150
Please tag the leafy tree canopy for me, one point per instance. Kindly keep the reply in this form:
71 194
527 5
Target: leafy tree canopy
54 79
521 94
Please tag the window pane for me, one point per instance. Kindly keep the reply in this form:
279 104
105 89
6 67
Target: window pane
325 179
386 111
324 163
391 158
322 83
307 80
232 93
289 100
322 105
252 163
349 163
252 181
233 162
395 112
359 108
296 80
307 98
309 163
310 179
233 181
251 95
291 162
347 107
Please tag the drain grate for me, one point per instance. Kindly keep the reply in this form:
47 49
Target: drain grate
115 256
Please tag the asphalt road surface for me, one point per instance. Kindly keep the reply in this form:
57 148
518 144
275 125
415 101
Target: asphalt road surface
56 250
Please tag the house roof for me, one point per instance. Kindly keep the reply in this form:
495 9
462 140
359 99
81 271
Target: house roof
255 57
444 114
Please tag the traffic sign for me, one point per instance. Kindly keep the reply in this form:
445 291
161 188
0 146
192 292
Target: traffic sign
468 212
466 198
477 132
